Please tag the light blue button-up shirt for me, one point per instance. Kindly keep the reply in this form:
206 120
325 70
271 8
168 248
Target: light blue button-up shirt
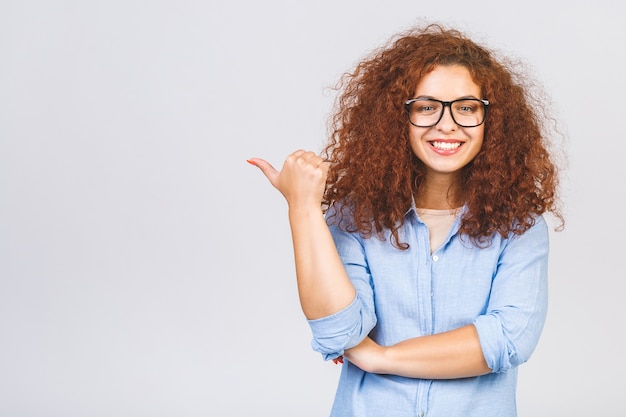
402 294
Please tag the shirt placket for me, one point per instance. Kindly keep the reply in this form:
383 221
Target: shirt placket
426 307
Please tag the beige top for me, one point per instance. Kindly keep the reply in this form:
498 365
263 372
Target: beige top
439 223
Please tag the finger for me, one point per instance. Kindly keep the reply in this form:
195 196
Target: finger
309 158
320 163
320 166
268 170
323 163
299 156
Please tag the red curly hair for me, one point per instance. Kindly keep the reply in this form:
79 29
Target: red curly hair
374 172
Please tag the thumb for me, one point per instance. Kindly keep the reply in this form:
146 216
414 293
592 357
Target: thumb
268 170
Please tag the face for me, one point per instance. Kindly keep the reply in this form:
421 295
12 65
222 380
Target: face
446 147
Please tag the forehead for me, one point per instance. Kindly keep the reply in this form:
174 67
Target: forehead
448 83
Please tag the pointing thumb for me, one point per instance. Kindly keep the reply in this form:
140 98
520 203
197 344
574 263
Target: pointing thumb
268 170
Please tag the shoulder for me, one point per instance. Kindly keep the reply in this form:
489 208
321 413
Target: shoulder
534 238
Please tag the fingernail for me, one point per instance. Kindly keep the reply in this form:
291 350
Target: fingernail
250 162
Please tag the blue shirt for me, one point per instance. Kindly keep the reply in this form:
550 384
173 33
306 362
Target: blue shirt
402 294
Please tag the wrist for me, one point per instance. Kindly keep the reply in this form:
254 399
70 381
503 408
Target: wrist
382 363
377 360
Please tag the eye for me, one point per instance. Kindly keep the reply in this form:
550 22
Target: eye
426 106
466 106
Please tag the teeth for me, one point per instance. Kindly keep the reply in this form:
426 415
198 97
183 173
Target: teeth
446 146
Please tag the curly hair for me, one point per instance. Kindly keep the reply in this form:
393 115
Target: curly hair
374 173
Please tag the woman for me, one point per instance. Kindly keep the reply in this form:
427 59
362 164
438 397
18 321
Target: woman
420 244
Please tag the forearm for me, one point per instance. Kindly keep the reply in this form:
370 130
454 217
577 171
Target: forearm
453 354
323 285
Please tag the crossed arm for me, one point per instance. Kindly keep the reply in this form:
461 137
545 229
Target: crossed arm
453 354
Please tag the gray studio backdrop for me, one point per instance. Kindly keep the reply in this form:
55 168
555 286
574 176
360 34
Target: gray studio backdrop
146 269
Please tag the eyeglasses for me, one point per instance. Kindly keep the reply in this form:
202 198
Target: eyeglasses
465 112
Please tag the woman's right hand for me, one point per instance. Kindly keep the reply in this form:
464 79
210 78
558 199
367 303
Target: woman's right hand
301 181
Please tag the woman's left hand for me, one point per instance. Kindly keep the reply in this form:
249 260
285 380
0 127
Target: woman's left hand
367 355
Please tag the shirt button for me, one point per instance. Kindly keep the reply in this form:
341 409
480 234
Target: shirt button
435 258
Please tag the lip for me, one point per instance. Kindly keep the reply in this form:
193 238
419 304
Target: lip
444 151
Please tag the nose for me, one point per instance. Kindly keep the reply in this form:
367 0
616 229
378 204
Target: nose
446 122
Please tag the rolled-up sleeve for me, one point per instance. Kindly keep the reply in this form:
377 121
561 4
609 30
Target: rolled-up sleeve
348 327
510 329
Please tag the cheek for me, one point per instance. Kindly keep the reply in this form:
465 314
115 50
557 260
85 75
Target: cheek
478 140
417 144
476 147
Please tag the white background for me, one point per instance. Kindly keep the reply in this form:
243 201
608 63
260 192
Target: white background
146 269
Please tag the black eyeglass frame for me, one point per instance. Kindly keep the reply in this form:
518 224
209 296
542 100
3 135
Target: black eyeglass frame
444 104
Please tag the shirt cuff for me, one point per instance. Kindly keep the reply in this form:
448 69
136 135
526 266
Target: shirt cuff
337 332
493 343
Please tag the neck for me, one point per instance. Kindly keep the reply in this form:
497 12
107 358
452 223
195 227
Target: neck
439 194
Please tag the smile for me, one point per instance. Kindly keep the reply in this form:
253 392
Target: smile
446 146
